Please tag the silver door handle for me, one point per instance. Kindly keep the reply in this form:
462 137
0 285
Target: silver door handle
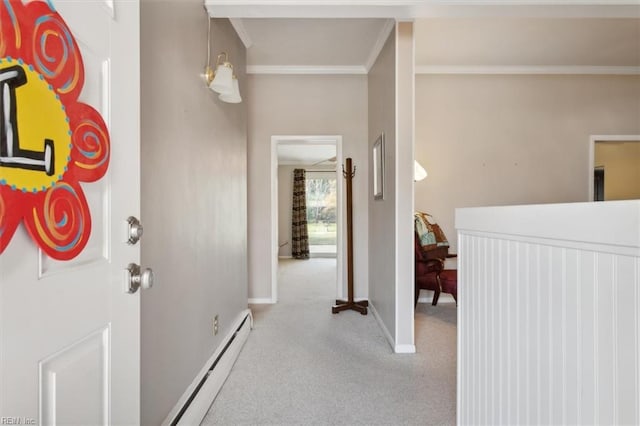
134 278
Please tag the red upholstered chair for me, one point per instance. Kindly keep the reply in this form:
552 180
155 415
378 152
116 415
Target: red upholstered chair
427 272
429 261
449 282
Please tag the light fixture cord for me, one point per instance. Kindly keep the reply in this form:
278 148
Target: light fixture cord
209 42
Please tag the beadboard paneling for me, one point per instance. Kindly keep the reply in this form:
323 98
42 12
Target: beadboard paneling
548 328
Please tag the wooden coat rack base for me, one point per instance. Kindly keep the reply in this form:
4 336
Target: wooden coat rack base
343 305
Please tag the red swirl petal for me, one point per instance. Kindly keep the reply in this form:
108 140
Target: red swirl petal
55 53
60 222
12 37
11 212
91 146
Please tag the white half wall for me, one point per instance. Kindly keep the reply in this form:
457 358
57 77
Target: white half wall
549 314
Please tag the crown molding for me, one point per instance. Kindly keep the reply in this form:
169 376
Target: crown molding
449 70
529 70
238 25
389 25
307 69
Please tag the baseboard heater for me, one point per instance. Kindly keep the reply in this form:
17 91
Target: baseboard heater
196 401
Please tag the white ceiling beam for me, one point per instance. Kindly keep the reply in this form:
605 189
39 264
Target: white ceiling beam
302 9
409 9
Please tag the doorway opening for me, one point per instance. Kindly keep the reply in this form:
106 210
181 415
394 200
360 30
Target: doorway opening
318 156
321 212
598 183
617 156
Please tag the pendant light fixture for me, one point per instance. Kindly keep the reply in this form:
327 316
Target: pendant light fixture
222 81
232 97
223 75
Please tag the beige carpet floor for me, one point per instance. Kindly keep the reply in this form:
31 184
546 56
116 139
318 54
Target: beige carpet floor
303 365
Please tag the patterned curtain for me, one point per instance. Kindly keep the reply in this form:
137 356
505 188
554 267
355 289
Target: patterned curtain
300 237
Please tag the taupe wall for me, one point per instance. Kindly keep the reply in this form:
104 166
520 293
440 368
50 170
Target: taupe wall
513 139
382 213
193 199
304 105
285 188
621 162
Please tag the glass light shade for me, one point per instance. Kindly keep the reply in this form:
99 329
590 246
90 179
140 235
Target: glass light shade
234 96
222 82
419 173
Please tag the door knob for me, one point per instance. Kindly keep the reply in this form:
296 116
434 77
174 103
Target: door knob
135 278
134 230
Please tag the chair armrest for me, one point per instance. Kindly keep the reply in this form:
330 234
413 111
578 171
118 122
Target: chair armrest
450 255
432 265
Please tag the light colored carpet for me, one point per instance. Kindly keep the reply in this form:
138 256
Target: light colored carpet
303 365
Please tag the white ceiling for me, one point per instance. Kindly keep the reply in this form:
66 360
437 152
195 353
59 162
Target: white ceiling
311 42
528 42
345 37
350 46
305 154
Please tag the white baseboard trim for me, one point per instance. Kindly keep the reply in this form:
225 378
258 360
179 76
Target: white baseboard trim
385 331
405 349
261 301
399 349
199 395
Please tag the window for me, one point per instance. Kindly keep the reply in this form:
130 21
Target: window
321 212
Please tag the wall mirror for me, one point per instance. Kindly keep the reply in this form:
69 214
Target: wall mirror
378 168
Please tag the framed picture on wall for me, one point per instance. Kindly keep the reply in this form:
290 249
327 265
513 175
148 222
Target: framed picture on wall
378 168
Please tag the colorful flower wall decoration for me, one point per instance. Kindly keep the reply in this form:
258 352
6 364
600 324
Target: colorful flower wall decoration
49 142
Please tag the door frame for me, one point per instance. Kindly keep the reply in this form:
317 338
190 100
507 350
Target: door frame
592 154
277 140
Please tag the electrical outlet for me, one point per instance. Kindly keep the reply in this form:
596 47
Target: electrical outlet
215 325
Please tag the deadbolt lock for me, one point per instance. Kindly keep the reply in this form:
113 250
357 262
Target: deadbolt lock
134 231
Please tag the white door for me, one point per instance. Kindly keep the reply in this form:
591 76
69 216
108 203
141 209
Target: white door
69 332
